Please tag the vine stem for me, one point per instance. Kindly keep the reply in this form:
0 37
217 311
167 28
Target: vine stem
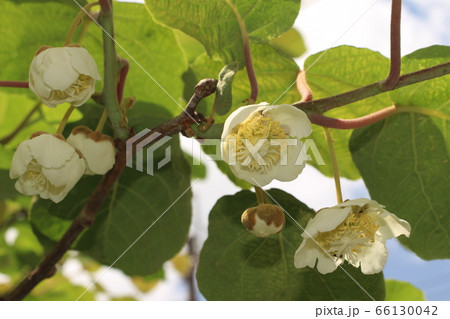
348 124
64 120
259 195
78 19
15 84
337 180
329 103
10 136
247 53
396 58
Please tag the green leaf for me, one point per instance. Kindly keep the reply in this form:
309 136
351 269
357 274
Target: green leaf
405 165
434 93
138 204
339 70
59 288
224 98
213 23
7 189
402 291
235 265
198 169
276 74
289 43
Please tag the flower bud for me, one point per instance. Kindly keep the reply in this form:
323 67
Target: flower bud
264 220
98 149
65 74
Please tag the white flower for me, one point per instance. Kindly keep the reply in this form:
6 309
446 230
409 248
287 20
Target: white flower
355 230
66 74
47 166
98 150
263 142
264 220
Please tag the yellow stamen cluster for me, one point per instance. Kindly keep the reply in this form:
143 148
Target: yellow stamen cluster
252 130
348 238
82 83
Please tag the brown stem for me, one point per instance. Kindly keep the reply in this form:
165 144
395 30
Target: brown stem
87 215
344 124
10 136
329 103
15 84
106 6
396 60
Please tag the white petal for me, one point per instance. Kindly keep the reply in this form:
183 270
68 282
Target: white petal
49 151
254 178
83 62
374 258
21 158
325 220
356 202
309 252
296 161
38 86
60 74
100 156
83 96
238 117
391 226
291 117
77 140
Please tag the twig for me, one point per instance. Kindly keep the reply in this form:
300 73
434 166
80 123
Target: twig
334 164
329 103
87 215
396 59
10 136
15 84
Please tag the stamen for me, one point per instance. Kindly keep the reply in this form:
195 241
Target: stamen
82 83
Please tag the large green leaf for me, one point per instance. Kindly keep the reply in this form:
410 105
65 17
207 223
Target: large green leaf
213 23
235 265
434 93
335 71
405 165
402 291
137 202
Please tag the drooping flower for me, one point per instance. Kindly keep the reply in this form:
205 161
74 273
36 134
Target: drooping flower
355 230
264 220
98 150
47 166
64 74
263 142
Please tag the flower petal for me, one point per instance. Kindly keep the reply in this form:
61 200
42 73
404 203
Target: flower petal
83 62
238 117
21 158
325 220
294 119
296 161
49 151
60 74
374 258
391 226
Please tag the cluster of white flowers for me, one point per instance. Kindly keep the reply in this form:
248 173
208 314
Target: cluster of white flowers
264 142
47 165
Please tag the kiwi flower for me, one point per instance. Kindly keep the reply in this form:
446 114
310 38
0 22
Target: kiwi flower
355 230
264 142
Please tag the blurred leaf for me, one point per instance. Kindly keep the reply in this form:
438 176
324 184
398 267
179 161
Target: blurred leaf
224 98
6 156
405 166
138 205
183 263
192 48
7 189
198 169
213 23
289 43
147 283
235 265
58 288
402 291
